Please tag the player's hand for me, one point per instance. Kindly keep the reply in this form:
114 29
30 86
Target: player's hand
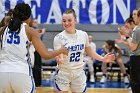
64 50
123 37
59 59
124 32
109 58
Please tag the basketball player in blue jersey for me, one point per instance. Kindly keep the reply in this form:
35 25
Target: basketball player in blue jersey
70 73
15 67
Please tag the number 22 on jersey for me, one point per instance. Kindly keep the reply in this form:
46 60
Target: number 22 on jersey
75 57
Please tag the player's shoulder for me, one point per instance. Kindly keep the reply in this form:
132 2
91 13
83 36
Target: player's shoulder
138 27
116 45
81 31
93 43
60 35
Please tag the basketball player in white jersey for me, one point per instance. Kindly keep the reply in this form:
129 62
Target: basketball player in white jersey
70 74
15 63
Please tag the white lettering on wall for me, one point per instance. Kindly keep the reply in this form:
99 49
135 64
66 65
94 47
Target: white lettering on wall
2 10
92 11
34 10
55 10
125 11
108 13
76 6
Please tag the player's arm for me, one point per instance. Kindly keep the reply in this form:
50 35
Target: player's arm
57 45
92 53
134 41
89 51
132 45
34 36
119 48
107 58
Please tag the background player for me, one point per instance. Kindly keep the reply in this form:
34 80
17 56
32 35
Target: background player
89 61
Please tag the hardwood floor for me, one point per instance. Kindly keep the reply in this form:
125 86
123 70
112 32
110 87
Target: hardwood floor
89 90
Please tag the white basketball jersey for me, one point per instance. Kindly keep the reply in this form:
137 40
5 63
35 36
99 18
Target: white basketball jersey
14 56
76 44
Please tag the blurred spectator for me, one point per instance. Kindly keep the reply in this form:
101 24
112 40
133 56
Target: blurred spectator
133 43
37 58
34 23
4 23
89 61
134 15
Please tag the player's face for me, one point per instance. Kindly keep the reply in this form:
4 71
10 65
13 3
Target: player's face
68 22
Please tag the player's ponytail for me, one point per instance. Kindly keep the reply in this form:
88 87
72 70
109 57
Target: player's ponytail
21 13
14 24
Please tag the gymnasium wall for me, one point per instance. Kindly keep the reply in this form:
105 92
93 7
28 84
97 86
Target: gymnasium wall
100 32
